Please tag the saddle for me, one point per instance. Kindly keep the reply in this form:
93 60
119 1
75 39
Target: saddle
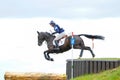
61 41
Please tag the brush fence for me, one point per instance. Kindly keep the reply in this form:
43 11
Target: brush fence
33 76
81 67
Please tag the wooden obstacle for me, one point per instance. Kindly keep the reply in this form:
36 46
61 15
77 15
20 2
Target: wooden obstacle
33 76
88 66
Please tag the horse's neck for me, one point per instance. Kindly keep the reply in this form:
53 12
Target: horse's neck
50 42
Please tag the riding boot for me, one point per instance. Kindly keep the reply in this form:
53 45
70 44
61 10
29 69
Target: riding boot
56 45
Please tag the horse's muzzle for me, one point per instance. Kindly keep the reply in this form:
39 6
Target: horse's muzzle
39 44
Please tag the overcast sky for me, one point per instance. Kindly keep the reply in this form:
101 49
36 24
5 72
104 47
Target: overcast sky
20 19
59 8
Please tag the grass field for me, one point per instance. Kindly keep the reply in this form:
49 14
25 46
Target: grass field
113 74
98 59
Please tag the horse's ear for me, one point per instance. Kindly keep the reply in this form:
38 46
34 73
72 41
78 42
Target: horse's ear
38 32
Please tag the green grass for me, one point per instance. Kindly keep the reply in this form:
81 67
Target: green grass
98 59
113 74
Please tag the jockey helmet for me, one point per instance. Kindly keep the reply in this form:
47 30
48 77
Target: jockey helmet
52 22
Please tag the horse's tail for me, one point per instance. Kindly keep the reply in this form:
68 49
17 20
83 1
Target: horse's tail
92 36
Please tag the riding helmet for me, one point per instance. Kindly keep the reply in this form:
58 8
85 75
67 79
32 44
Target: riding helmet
52 22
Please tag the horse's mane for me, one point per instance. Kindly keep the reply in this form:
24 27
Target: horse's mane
48 33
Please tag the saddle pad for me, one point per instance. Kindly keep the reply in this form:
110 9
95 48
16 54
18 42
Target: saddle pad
61 42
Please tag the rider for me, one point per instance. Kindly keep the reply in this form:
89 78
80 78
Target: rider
58 30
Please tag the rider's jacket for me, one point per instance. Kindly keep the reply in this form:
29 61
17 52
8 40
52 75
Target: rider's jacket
58 29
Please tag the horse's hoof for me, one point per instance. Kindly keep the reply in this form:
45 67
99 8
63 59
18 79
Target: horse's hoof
93 56
51 59
79 57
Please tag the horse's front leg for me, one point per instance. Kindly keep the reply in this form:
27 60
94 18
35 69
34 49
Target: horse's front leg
51 59
47 56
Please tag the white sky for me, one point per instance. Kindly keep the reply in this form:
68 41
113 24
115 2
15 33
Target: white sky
20 52
60 9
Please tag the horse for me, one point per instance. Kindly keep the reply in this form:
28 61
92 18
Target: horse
79 44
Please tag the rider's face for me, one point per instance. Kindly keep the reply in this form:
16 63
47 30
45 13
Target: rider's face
52 25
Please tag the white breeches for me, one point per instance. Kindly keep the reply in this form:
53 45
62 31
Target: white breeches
61 35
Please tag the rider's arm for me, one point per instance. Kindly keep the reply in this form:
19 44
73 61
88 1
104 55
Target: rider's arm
54 33
57 29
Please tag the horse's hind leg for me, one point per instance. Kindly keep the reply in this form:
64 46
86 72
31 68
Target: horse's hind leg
81 53
93 55
88 48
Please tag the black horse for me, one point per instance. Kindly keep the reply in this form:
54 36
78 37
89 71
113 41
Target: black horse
79 43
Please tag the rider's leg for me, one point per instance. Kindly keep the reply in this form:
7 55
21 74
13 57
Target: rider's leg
57 44
56 40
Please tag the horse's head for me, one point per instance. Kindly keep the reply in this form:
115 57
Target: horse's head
43 36
40 38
